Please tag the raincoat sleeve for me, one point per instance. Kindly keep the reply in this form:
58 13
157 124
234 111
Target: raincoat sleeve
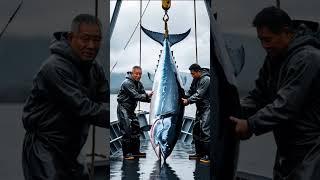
148 99
192 89
255 100
103 91
201 90
137 95
302 73
67 91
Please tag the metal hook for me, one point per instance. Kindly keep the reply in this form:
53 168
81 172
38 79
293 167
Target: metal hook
165 17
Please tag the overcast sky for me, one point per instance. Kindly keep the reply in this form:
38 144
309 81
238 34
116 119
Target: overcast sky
234 16
46 16
42 18
181 19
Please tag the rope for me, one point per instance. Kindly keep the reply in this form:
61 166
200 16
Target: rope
140 42
140 32
93 152
93 127
113 66
96 9
278 3
11 18
136 26
131 35
195 29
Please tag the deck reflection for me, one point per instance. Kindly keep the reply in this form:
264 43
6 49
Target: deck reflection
177 166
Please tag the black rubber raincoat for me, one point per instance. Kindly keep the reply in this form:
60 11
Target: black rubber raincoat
130 93
199 94
286 100
67 96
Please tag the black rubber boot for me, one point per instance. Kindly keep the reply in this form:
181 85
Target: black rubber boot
126 150
136 149
206 149
198 154
205 159
128 156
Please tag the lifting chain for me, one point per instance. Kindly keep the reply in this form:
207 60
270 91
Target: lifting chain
166 6
166 19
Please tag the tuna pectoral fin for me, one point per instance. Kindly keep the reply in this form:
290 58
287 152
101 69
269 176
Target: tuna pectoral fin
159 37
149 77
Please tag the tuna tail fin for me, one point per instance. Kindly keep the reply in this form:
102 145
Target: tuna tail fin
237 58
159 37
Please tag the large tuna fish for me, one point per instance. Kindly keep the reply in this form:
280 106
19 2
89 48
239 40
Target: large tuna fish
226 62
166 111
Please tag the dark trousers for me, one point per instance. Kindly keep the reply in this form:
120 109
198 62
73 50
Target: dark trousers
130 129
307 167
201 131
41 163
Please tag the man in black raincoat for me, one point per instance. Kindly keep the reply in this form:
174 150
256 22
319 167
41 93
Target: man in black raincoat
131 91
69 93
199 94
286 97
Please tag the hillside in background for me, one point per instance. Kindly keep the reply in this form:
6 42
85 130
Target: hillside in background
117 78
21 57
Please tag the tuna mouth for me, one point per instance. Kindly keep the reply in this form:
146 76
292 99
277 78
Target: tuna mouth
163 134
165 150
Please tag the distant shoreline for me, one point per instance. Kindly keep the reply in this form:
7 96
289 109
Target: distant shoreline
115 91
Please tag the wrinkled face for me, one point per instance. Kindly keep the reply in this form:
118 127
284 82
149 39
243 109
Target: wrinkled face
195 74
275 44
136 74
86 42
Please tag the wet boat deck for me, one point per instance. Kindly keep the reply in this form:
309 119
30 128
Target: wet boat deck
177 166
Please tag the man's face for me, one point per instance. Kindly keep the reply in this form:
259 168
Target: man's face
136 74
86 42
195 74
275 44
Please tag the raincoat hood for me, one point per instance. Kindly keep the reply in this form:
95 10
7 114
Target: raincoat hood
304 36
205 72
129 76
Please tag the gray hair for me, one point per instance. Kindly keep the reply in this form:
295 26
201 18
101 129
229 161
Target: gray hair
84 18
136 67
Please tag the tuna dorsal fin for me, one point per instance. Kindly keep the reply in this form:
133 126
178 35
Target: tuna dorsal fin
159 37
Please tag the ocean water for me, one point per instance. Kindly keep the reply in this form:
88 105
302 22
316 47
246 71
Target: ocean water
189 110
